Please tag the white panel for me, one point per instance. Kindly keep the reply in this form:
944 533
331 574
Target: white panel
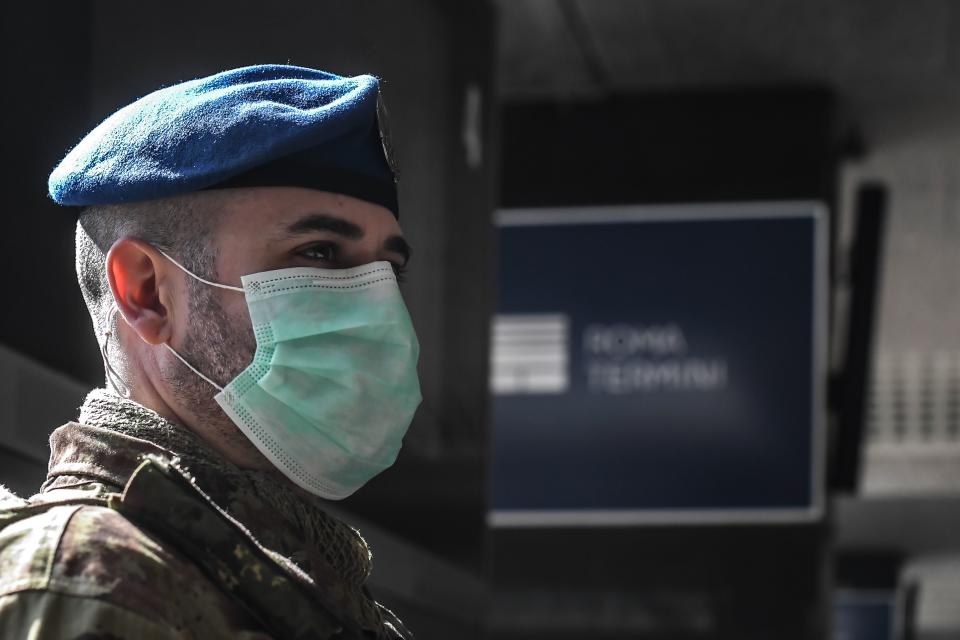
938 609
529 354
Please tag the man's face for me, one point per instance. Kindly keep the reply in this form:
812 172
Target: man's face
264 229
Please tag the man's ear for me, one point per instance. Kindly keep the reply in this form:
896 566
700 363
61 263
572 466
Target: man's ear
135 270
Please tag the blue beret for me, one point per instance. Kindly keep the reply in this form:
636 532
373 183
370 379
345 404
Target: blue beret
266 125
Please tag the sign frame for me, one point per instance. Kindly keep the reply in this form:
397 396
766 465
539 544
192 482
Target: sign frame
693 212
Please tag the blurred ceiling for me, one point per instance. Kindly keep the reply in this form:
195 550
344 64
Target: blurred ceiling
868 49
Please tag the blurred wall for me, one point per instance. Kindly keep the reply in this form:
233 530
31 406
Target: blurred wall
893 68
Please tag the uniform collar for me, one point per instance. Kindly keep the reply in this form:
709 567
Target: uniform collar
114 434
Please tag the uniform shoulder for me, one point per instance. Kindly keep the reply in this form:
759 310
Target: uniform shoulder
9 500
96 552
28 545
48 615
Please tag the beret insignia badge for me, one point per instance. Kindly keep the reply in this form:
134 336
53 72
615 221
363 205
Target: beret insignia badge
383 125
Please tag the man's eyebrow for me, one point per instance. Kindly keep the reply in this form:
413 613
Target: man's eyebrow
326 222
396 244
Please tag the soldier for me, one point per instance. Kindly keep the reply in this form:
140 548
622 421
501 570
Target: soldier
238 248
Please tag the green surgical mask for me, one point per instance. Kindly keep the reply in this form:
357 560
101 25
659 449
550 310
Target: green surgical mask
333 384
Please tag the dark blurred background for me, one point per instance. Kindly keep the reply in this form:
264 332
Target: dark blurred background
852 106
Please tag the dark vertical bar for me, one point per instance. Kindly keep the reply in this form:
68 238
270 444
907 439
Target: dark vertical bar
867 251
908 611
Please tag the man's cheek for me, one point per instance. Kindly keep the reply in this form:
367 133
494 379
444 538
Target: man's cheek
237 317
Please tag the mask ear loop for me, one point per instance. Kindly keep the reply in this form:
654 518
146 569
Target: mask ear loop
111 374
207 282
121 387
196 277
190 366
114 378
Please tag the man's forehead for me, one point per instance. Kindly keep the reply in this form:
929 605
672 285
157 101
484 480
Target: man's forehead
285 211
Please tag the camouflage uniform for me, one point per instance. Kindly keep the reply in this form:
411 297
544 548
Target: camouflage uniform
142 531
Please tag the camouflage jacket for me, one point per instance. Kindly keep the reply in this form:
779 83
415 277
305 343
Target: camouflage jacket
126 540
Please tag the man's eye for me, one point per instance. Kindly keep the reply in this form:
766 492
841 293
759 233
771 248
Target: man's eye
324 252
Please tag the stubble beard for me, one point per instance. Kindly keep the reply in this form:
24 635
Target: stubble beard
220 346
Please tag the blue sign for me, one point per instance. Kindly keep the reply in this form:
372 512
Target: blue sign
658 365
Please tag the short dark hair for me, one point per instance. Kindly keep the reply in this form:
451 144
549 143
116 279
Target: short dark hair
181 226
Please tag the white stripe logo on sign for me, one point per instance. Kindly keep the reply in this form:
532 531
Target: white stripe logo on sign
530 354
